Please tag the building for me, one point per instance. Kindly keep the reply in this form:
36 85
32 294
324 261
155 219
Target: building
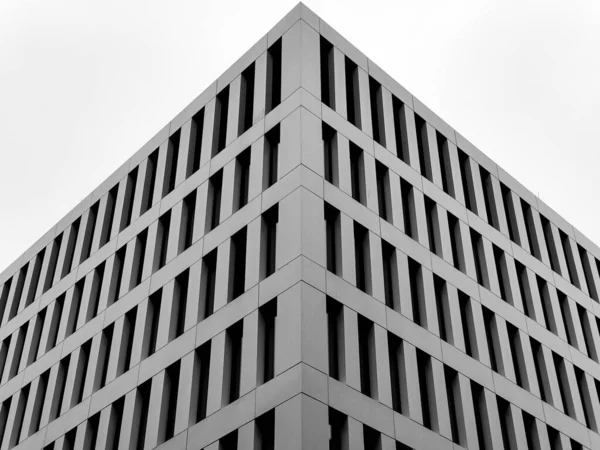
306 257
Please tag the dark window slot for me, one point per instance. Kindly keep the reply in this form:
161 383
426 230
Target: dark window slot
137 270
55 322
390 276
468 328
530 230
242 184
213 210
180 299
128 200
383 191
540 368
140 415
478 394
327 73
491 335
362 258
19 416
209 274
501 272
150 182
171 163
267 318
35 278
38 406
84 357
371 438
128 336
423 147
117 278
70 253
109 215
200 385
152 320
59 388
330 156
162 240
187 220
442 307
445 164
431 216
195 149
377 122
506 424
352 93
265 429
488 198
220 125
426 389
271 156
408 208
104 357
233 362
274 63
88 235
237 263
246 99
400 130
357 170
550 244
366 353
416 292
169 401
455 405
269 241
333 238
464 163
229 442
516 352
335 335
54 250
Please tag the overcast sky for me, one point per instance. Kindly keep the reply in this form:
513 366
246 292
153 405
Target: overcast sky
83 85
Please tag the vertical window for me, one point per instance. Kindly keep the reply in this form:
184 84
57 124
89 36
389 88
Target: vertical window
246 99
506 424
366 356
233 362
18 291
274 62
433 226
502 274
554 438
588 336
488 198
362 254
587 272
267 314
109 215
88 234
584 395
534 244
19 416
478 253
4 296
569 257
38 406
54 250
128 336
104 356
376 94
168 407
481 419
117 276
199 393
390 276
422 145
516 352
180 299
445 164
35 278
187 221
357 173
265 430
352 92
21 333
546 304
70 253
75 307
213 211
540 368
209 275
268 246
4 410
524 289
195 149
220 125
34 347
162 240
327 73
242 179
82 367
229 442
128 200
427 390
91 433
171 163
468 325
415 277
371 438
567 318
442 306
493 343
114 426
237 264
149 182
464 163
137 269
531 433
54 322
271 154
408 209
383 191
59 389
152 319
335 338
563 385
338 425
455 404
400 130
333 239
455 242
550 244
330 157
140 415
95 291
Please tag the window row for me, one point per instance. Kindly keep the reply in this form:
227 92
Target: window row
149 182
440 398
450 168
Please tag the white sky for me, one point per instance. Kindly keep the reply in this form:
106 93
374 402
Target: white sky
83 85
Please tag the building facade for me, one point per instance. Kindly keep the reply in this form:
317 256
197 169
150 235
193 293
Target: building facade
306 257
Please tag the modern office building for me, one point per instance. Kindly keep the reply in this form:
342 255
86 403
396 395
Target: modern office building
306 257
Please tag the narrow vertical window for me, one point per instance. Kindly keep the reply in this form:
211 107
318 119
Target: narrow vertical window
383 191
265 430
352 92
55 322
506 424
445 164
517 355
588 336
524 289
456 242
180 300
468 326
246 99
335 338
229 442
509 208
40 398
433 226
152 319
220 125
569 258
400 130
427 390
162 240
88 233
114 426
268 248
327 73
237 264
563 385
488 198
567 318
207 286
550 244
540 368
376 93
478 253
117 276
168 407
199 393
532 237
128 200
106 229
59 387
531 433
274 62
481 419
408 208
128 335
587 272
19 416
464 163
415 277
35 278
4 296
140 415
233 362
186 236
333 239
267 314
149 182
75 307
357 173
491 336
441 302
390 276
137 269
362 254
82 369
330 154
54 250
106 343
546 304
423 147
18 291
371 438
455 404
21 333
366 356
271 154
502 273
34 347
95 292
584 395
195 149
397 374
213 207
242 179
70 253
171 163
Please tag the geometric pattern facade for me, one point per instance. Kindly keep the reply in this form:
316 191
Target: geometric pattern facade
306 257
